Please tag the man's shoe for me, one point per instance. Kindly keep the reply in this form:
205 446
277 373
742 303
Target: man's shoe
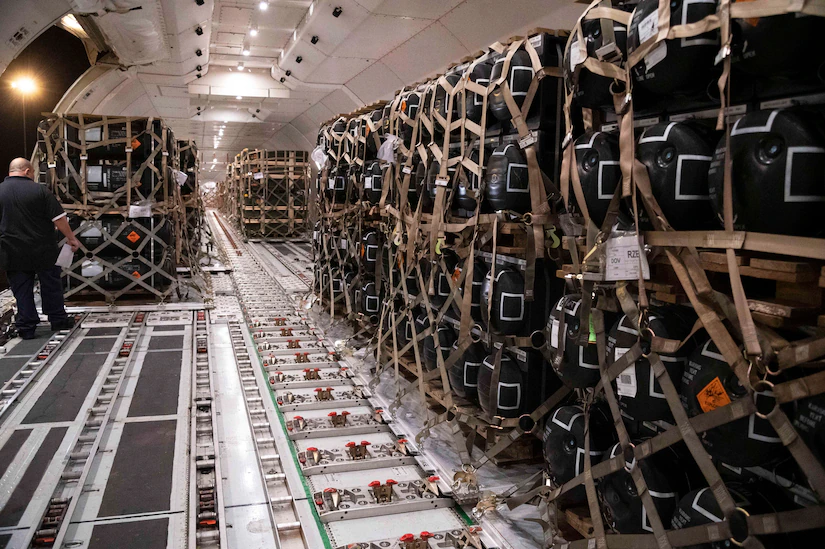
27 335
66 324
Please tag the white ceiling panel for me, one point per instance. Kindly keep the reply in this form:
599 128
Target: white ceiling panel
376 82
477 23
235 16
230 39
337 70
378 35
339 102
425 9
175 91
373 49
427 52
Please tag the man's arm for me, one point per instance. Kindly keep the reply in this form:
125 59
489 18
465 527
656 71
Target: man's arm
62 225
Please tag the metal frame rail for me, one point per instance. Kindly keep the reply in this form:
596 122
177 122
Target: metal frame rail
207 527
52 527
282 508
19 382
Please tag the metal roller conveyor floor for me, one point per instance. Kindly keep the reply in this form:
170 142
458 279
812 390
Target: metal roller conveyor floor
235 424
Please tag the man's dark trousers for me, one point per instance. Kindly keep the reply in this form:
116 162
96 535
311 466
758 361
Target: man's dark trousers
51 294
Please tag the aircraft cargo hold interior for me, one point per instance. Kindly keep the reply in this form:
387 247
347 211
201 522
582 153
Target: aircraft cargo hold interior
412 274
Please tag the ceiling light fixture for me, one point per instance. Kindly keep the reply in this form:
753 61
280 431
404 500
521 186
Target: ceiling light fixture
240 65
311 8
263 6
245 49
295 35
253 31
238 97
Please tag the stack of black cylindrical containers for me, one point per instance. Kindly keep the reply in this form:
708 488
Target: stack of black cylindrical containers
114 177
193 207
776 154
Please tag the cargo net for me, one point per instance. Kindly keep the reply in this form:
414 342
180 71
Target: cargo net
122 257
191 246
672 408
119 182
94 163
269 190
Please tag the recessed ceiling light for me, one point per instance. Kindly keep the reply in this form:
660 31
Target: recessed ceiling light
238 97
263 6
253 31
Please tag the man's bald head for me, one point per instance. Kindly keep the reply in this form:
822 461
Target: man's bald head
20 167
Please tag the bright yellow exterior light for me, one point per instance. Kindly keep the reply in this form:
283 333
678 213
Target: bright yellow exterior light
24 85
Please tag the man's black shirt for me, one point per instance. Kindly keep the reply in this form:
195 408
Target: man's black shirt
27 235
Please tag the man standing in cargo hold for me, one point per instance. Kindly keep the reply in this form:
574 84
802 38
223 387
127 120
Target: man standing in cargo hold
29 214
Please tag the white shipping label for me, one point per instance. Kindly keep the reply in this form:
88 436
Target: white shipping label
626 382
140 210
368 182
656 55
331 182
624 259
576 55
648 26
407 169
258 175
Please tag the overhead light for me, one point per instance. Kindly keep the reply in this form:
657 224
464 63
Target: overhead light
226 121
295 35
253 31
70 22
238 97
245 49
263 6
220 132
240 65
311 8
24 85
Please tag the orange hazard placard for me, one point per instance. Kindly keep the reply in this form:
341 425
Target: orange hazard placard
135 274
713 396
135 143
133 237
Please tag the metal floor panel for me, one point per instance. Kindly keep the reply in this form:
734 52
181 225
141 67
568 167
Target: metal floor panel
95 345
113 331
27 347
138 484
162 343
21 496
64 397
158 386
144 534
10 366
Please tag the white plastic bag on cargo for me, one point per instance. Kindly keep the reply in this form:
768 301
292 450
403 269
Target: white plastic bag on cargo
180 177
142 208
387 150
319 156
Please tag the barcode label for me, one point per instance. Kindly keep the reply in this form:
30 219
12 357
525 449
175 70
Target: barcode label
626 382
